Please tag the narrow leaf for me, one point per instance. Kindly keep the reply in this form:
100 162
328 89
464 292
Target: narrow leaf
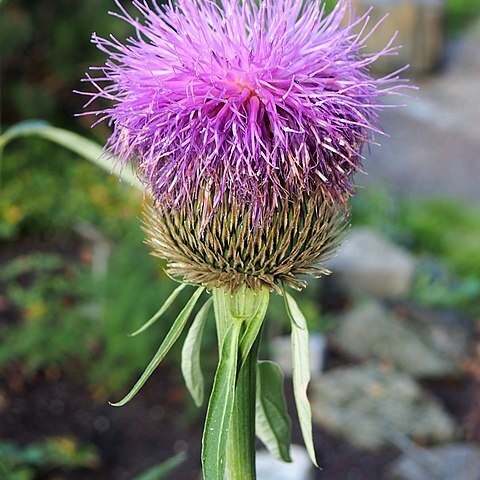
192 373
84 147
166 345
286 306
163 309
220 407
254 324
272 422
301 372
221 314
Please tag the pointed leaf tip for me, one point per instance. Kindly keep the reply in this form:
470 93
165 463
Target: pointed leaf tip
161 311
165 347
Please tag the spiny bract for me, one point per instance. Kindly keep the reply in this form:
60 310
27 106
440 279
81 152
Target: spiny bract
229 251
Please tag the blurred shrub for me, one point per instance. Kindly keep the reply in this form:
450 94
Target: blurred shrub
445 290
47 190
46 50
54 456
67 318
459 13
446 228
49 331
58 453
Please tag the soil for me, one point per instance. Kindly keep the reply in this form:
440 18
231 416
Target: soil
153 427
129 439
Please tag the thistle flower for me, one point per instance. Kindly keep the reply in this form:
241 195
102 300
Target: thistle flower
257 102
246 120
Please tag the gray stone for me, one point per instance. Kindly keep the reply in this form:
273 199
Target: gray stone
370 330
281 348
364 403
448 462
420 33
464 55
449 332
370 263
268 468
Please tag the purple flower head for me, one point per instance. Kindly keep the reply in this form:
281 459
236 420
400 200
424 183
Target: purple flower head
252 101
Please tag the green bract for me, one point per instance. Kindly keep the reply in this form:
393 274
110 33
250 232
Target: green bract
227 250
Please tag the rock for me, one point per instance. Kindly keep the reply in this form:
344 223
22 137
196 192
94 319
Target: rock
268 468
370 263
449 462
370 330
420 33
465 58
363 404
282 353
448 331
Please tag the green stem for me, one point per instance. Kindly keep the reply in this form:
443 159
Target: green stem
248 307
241 439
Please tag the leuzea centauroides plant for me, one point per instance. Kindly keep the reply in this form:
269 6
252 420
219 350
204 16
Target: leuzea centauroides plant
245 120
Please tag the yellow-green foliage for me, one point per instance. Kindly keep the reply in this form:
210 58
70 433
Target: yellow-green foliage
46 189
459 13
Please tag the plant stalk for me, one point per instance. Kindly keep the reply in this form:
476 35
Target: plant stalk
248 307
241 438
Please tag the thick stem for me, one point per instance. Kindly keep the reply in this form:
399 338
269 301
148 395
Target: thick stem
241 439
248 307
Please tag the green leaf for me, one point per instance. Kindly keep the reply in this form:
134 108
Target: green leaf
161 471
272 422
301 372
192 373
166 345
163 309
254 324
84 147
220 407
222 316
